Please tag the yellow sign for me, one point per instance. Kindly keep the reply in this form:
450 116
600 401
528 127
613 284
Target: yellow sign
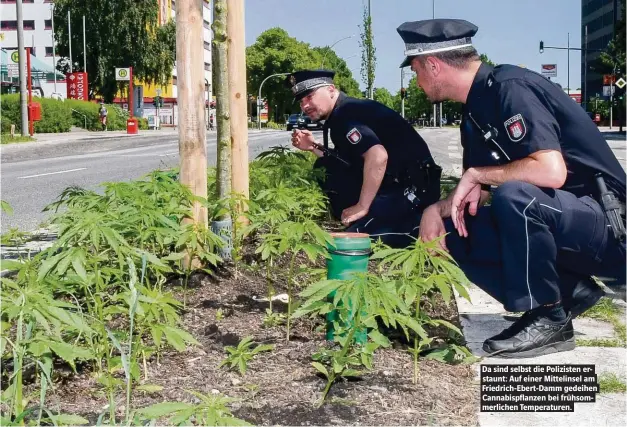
15 56
1 37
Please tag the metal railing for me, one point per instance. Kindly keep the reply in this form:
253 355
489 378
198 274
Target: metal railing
77 112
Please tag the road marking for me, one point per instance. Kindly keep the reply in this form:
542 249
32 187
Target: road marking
168 154
51 173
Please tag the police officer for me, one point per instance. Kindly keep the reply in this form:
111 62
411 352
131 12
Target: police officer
380 174
545 232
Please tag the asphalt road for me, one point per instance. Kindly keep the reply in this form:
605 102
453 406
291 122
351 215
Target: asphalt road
34 174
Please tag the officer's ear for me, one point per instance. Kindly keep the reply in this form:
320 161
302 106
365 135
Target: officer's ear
432 66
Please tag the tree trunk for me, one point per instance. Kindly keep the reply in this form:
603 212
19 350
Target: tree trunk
191 104
237 87
221 85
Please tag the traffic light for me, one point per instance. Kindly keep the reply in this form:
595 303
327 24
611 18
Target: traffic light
541 46
157 101
403 93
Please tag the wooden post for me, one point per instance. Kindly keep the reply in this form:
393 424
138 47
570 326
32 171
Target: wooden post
237 86
191 102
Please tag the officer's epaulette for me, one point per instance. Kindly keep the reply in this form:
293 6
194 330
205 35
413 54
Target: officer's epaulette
505 72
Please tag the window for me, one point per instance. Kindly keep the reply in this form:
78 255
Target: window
174 80
28 25
207 46
8 25
48 24
48 50
13 1
207 66
206 24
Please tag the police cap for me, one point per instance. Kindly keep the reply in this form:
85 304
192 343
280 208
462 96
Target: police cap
304 82
435 35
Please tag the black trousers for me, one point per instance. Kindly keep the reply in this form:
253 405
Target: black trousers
391 217
532 245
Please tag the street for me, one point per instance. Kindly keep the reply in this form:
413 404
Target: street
34 175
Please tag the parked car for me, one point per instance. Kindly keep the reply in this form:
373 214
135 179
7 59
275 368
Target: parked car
294 121
301 121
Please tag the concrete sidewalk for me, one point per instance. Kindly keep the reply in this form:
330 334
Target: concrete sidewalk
485 317
81 135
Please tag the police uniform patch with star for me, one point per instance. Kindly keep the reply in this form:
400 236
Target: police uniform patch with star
353 136
516 127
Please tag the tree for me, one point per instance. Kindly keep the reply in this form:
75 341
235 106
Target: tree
276 52
368 58
484 58
384 96
120 33
344 79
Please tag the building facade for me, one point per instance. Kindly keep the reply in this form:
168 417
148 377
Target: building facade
168 114
37 15
599 16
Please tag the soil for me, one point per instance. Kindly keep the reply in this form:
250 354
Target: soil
281 387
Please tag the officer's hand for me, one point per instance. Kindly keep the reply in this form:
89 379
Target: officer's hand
466 194
354 213
432 226
303 140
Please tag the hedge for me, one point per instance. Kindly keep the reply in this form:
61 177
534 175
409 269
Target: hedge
57 116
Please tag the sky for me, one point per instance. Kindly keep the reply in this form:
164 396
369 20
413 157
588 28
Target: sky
509 30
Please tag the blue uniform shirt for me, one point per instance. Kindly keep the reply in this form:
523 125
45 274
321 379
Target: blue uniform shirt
512 112
359 124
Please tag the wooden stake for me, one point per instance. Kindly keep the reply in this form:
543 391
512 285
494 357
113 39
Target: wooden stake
237 85
191 103
221 88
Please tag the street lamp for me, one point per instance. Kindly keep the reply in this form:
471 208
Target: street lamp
331 47
259 97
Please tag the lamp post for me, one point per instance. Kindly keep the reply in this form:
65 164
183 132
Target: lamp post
259 97
331 47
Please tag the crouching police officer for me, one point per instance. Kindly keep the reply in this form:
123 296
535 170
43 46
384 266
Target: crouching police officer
557 213
380 174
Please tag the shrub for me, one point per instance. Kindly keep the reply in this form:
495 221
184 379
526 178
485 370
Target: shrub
55 115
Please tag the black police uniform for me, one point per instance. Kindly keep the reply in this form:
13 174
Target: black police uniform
355 126
533 246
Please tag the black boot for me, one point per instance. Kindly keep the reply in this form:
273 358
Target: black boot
539 331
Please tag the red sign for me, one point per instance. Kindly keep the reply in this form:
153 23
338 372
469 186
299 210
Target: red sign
609 79
576 97
77 86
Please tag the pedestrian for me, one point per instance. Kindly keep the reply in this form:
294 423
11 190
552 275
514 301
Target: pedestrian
545 232
211 121
102 114
380 174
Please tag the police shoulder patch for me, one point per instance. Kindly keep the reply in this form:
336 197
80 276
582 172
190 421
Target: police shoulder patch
353 136
516 127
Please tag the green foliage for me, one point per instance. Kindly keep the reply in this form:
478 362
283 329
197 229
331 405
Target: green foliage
116 117
384 96
245 351
8 139
274 52
368 52
55 115
121 33
211 411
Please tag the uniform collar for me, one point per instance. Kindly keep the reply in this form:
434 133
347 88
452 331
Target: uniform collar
483 80
341 99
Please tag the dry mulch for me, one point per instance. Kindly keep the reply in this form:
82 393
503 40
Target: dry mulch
281 387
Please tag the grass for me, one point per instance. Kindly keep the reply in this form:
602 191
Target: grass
8 139
600 342
605 310
610 383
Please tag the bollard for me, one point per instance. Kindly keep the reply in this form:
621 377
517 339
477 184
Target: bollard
349 256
